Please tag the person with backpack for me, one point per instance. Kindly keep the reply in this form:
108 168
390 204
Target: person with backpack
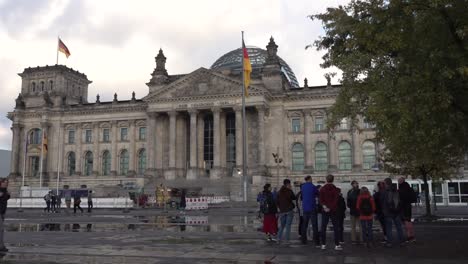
329 200
366 207
351 198
76 203
407 197
309 210
269 210
391 208
378 208
286 210
341 215
47 199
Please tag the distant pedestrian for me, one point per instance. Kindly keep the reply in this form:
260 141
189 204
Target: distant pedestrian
309 193
59 202
285 204
90 201
378 197
341 215
268 209
76 203
47 199
351 199
329 199
391 208
4 196
366 207
183 202
53 202
68 198
407 197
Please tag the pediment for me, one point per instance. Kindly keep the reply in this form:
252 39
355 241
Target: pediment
202 83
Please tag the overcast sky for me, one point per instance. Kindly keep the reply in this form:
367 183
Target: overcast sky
114 42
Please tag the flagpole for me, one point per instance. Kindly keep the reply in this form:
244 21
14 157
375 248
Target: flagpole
58 39
59 161
24 168
42 159
244 140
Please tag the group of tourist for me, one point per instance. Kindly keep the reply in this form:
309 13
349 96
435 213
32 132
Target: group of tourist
318 205
53 202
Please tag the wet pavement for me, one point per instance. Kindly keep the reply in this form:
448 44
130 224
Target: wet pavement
203 237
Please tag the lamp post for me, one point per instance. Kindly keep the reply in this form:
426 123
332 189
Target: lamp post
278 161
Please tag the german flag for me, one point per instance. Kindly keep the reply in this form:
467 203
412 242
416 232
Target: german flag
62 48
247 68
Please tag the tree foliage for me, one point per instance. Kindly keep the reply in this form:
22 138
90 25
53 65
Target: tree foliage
404 65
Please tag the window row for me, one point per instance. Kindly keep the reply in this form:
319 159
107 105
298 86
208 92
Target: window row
106 161
105 135
345 157
42 86
319 124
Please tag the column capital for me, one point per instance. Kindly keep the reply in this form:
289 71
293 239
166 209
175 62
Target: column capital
45 125
216 109
193 111
16 126
307 112
152 114
172 113
238 108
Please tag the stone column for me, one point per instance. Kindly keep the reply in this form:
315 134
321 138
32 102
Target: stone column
131 150
261 137
309 167
332 153
15 149
356 147
150 140
238 111
96 154
114 150
200 136
193 169
45 130
78 154
170 172
215 172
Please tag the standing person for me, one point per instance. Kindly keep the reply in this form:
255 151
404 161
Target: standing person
268 209
366 207
309 207
53 202
4 196
319 214
183 202
275 194
391 208
90 201
329 199
76 203
160 195
351 198
68 198
407 197
59 202
47 199
379 216
341 215
300 212
286 209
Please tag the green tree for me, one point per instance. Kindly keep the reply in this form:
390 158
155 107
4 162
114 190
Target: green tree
404 65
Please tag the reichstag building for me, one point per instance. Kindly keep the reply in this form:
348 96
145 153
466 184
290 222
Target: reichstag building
187 131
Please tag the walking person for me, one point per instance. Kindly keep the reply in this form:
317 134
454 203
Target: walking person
341 215
309 208
285 204
329 199
407 197
366 207
351 199
4 196
391 208
53 202
379 216
76 203
268 209
59 202
47 199
90 201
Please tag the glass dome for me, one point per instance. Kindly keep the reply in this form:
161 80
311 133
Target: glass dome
233 61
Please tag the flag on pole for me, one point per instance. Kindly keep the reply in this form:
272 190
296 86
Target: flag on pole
62 48
44 143
247 68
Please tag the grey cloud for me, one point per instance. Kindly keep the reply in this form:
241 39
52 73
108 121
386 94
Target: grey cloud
18 15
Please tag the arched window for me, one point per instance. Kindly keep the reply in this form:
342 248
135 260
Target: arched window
124 162
297 157
71 167
321 157
35 137
368 155
33 87
344 156
42 86
106 163
51 85
141 162
88 169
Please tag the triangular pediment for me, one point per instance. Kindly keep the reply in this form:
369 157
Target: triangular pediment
202 83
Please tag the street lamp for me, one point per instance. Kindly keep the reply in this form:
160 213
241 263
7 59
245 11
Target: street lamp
278 161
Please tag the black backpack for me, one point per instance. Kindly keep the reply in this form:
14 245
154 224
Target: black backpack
393 201
264 204
366 207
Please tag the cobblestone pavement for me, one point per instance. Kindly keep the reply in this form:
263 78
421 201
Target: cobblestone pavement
217 236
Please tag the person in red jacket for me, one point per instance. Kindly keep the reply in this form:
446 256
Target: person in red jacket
329 195
366 208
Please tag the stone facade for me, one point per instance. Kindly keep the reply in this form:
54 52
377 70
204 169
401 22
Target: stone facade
186 132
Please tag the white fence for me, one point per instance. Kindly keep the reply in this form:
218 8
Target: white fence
121 202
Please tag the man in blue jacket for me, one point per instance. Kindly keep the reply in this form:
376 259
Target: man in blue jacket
309 208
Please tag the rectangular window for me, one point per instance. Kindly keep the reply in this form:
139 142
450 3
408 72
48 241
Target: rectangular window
319 123
123 134
71 136
35 161
105 135
344 124
88 136
296 125
142 133
368 125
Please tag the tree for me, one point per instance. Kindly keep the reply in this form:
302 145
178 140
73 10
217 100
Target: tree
405 69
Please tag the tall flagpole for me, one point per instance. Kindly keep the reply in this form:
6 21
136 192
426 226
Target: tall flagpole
59 161
244 131
24 169
58 39
42 158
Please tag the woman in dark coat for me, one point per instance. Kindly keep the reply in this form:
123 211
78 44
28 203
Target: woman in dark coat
268 209
183 203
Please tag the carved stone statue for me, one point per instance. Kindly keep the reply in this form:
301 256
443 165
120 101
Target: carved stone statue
19 102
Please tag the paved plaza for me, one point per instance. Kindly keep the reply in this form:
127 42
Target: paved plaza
222 235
